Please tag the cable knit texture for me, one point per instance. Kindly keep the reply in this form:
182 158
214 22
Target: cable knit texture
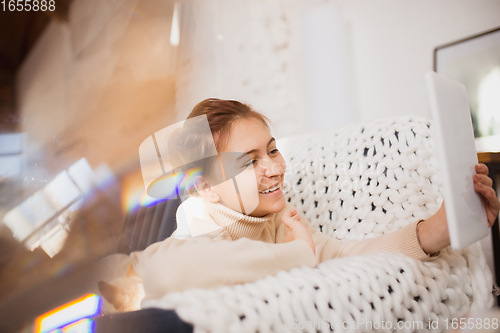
353 183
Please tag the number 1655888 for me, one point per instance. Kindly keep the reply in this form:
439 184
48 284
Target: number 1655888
28 5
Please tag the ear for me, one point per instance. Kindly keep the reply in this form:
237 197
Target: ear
131 273
205 190
108 291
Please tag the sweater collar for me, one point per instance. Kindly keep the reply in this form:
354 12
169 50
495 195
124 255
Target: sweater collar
237 224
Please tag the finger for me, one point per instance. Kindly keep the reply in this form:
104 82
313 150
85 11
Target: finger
290 213
488 194
482 178
288 221
482 168
493 201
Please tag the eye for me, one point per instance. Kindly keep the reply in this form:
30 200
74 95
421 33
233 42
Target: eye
274 151
253 161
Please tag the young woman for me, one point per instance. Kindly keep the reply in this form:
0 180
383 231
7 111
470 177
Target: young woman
217 209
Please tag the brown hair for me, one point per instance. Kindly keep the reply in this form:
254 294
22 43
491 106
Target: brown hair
221 115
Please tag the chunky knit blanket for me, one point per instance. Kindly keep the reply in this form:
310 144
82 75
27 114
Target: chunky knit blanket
354 182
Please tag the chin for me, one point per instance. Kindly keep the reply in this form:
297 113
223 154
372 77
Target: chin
265 208
277 206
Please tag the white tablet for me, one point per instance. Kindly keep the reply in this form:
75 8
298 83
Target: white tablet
467 221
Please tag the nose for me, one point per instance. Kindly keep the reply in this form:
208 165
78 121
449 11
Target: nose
272 168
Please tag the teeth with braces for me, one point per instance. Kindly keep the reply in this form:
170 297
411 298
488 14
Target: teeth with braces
272 189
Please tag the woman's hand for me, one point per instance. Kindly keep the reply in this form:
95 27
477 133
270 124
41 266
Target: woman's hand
433 232
294 229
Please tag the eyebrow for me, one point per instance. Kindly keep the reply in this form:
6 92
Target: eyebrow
254 150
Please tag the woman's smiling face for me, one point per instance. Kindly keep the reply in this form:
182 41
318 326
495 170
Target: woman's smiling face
251 137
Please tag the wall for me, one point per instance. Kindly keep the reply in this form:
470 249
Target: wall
245 50
393 43
329 67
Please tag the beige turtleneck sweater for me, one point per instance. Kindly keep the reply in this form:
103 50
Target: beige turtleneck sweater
215 246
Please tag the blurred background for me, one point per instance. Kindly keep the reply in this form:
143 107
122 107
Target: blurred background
82 85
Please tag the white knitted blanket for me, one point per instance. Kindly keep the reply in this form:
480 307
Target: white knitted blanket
354 182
